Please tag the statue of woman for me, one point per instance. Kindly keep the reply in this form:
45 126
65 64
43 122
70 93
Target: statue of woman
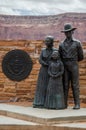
43 76
55 95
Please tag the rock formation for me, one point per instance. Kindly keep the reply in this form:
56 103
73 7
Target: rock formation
37 27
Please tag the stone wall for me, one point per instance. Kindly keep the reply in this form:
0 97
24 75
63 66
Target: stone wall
25 89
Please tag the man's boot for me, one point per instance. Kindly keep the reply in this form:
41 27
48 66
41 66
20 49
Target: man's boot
77 106
77 102
76 94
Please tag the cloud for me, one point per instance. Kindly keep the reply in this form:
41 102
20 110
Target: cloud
7 11
41 7
83 1
52 1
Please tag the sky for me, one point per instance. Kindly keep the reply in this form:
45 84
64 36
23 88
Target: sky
41 7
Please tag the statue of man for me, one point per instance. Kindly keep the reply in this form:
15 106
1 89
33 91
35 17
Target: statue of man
71 53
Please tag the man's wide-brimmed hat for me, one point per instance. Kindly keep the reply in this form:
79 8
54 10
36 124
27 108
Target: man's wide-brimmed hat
68 27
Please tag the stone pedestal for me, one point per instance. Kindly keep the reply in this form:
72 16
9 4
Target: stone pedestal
23 118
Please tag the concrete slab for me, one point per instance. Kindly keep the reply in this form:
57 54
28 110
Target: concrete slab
43 115
8 123
27 118
73 125
11 121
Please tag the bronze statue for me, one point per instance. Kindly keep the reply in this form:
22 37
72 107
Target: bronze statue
55 95
71 53
43 77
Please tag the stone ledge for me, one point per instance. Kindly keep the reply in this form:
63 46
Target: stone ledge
43 116
24 118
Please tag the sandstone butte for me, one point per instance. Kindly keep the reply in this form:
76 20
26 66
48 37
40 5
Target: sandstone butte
37 27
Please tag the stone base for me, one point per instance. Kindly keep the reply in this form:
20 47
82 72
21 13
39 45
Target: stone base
28 118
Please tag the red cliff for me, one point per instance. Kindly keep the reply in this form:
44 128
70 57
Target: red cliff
37 27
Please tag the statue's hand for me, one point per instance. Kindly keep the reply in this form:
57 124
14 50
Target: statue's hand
45 64
52 76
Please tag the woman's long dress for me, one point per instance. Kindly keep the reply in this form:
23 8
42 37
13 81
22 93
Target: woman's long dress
43 78
55 95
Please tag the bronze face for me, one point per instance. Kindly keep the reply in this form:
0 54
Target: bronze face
49 41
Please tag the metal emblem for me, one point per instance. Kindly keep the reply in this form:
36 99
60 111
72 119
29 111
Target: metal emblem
17 65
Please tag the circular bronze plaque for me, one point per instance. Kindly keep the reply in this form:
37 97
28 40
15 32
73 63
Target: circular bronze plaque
17 65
